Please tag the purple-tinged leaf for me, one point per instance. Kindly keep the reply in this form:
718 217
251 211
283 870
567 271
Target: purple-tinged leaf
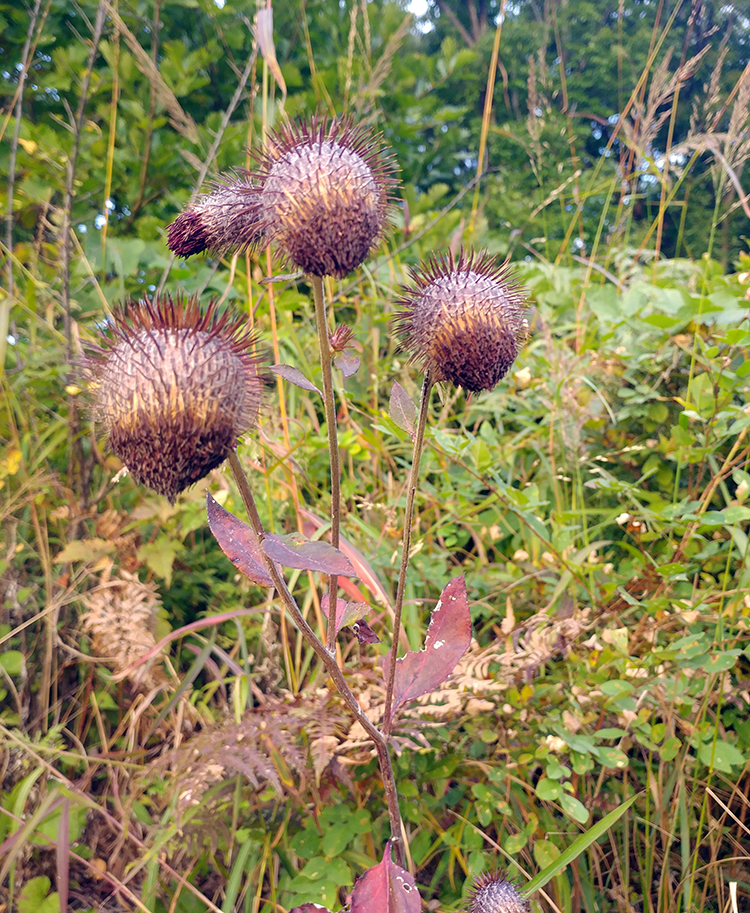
310 908
364 633
296 550
347 364
448 638
402 409
294 376
238 542
347 613
364 569
386 888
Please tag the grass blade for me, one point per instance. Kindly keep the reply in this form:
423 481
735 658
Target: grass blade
577 847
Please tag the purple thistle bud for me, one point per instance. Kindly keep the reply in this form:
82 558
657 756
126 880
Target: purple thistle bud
493 894
175 388
219 222
325 194
464 321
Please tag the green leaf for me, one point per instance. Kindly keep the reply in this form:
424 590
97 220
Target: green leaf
578 846
670 749
545 852
577 810
721 755
720 662
335 839
12 661
36 898
89 550
548 790
159 556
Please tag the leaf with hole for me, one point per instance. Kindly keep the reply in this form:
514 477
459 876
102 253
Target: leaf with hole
448 638
364 633
402 410
297 551
294 376
386 888
238 542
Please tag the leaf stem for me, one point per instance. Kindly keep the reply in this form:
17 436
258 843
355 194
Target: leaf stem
424 405
328 659
333 448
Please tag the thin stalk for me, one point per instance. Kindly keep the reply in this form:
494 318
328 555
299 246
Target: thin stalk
14 151
328 660
424 405
333 448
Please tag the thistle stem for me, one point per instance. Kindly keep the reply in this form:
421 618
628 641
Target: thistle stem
424 405
328 659
333 448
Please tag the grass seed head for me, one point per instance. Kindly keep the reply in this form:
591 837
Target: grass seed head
175 388
324 194
219 222
464 321
491 893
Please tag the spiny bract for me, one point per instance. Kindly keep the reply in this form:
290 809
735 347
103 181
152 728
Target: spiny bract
464 321
175 387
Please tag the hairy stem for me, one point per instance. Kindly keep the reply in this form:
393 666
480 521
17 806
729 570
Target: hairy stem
328 660
333 448
424 405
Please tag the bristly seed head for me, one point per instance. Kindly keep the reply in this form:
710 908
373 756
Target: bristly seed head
325 194
175 388
464 321
219 222
493 894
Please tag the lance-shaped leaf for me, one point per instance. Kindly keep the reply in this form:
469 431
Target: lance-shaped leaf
364 633
346 612
294 376
296 550
386 888
402 409
448 638
238 542
352 614
365 570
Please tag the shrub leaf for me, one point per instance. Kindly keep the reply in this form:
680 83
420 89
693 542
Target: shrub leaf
448 638
238 542
386 888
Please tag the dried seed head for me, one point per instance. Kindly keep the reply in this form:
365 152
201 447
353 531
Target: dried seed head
493 894
325 194
175 388
222 221
464 321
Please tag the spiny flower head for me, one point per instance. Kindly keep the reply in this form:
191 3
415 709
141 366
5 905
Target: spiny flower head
325 194
219 222
175 388
463 320
493 894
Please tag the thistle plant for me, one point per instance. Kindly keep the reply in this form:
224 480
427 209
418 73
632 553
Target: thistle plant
176 388
491 893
